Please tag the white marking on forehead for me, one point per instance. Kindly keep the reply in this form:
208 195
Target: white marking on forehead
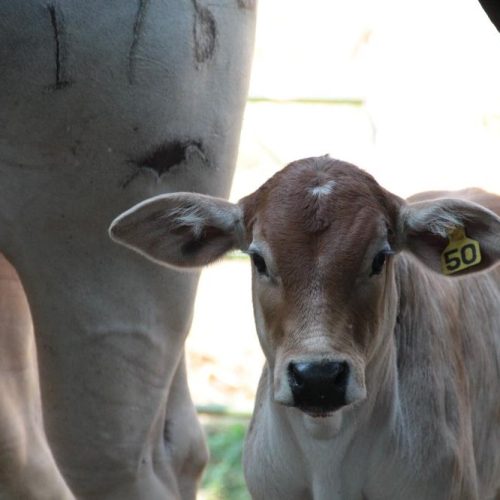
323 190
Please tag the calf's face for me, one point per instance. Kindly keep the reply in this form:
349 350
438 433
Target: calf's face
320 239
321 235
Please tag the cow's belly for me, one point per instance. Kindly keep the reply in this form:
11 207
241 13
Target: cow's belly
103 104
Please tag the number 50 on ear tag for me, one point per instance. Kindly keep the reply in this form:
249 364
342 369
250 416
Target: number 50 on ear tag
461 253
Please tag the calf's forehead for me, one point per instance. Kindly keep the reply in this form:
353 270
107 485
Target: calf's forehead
319 207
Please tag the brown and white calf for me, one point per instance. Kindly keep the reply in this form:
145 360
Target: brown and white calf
382 379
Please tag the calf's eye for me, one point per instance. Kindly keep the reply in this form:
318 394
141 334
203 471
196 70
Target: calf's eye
259 263
379 261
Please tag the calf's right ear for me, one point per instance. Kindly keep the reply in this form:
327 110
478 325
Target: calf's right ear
180 229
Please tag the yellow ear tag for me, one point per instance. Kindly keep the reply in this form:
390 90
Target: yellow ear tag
461 253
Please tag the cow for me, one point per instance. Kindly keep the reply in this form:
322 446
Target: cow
23 445
103 104
380 323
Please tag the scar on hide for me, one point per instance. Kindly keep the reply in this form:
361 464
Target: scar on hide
247 4
138 28
58 28
204 33
166 156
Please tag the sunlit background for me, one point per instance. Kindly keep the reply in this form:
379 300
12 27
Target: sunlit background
409 91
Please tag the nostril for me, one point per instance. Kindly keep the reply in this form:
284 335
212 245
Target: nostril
341 372
295 376
340 367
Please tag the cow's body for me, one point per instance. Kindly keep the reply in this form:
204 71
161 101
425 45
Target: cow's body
382 375
103 104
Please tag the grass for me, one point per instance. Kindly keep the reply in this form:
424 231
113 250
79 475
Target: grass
223 478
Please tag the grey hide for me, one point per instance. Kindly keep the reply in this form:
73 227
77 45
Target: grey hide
103 104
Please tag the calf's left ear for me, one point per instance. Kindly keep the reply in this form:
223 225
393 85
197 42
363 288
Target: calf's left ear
180 229
451 236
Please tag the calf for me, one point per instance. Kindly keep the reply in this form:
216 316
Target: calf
382 372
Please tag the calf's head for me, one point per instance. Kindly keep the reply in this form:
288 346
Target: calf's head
321 235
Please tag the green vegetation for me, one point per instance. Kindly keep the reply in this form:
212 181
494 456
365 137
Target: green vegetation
223 479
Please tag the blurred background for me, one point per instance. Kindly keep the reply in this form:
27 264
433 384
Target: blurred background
409 91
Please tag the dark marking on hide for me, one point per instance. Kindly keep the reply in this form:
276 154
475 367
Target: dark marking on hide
166 433
138 28
170 154
58 28
75 147
247 4
166 156
204 32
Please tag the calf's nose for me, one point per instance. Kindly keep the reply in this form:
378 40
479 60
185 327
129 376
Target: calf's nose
319 386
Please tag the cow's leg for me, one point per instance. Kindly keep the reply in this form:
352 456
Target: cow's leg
183 435
104 104
106 367
27 467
